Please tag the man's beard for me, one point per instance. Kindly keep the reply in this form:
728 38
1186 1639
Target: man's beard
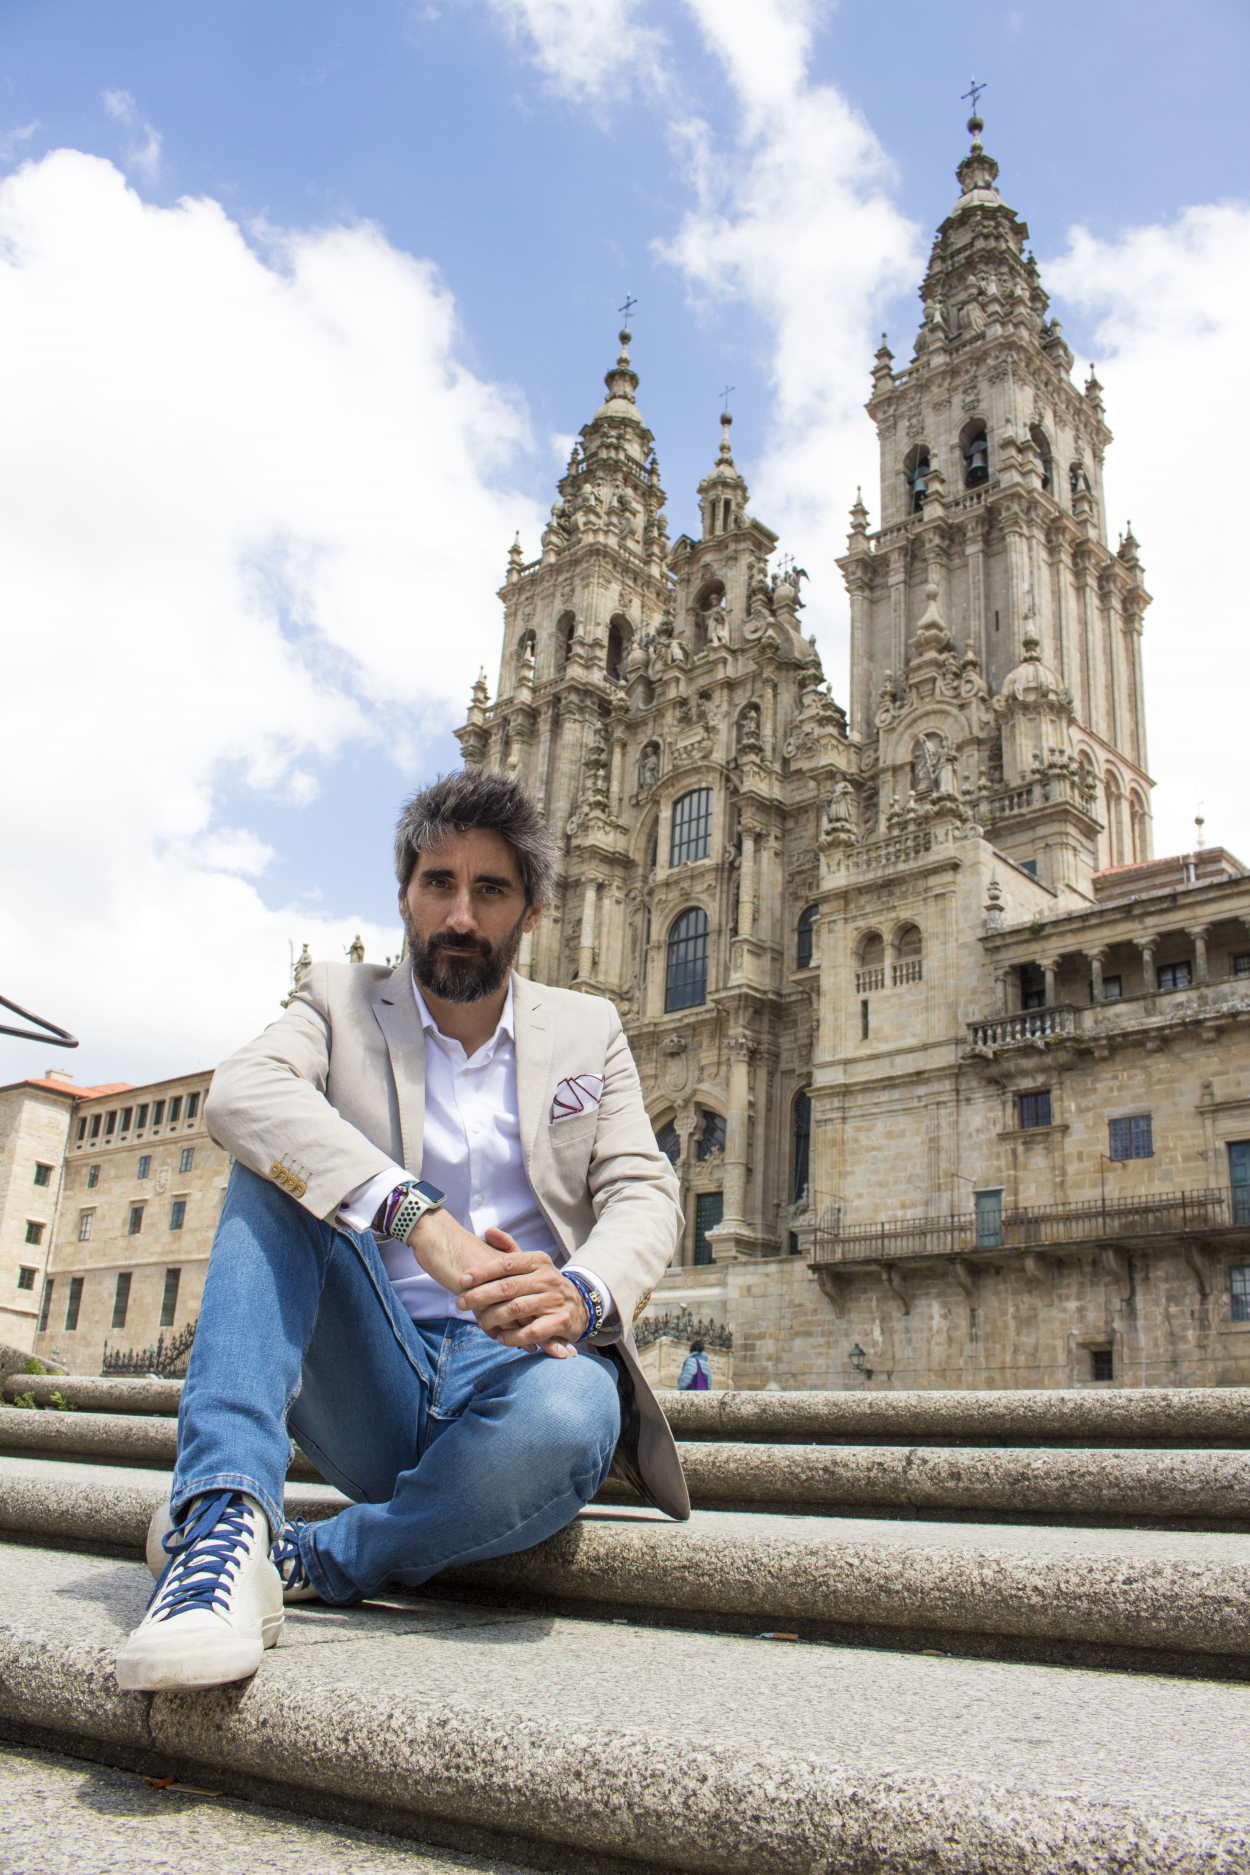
465 978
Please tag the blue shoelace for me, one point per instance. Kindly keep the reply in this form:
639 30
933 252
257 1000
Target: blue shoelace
286 1558
204 1554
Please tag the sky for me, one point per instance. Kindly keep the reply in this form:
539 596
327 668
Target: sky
301 303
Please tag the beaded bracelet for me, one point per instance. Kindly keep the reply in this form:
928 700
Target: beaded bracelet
592 1299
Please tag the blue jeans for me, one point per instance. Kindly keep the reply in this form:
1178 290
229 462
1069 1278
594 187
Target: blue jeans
452 1447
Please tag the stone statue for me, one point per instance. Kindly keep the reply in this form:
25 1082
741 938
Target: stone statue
648 766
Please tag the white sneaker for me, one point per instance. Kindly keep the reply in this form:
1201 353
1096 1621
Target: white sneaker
284 1554
217 1604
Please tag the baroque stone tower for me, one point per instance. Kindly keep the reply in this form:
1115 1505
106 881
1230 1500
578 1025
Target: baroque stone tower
993 532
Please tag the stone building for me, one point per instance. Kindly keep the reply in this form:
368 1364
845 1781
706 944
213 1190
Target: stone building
954 1073
141 1186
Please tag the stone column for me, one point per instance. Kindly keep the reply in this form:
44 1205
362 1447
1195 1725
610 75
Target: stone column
1201 967
1003 978
1050 969
586 947
747 883
741 1050
1147 948
769 737
974 536
1096 960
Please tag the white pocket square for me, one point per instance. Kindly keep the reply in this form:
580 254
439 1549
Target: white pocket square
580 1093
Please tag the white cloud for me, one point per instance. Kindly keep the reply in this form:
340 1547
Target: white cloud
252 509
143 153
793 219
12 142
588 50
1165 304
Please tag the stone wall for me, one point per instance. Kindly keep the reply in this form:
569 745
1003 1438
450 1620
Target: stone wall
34 1122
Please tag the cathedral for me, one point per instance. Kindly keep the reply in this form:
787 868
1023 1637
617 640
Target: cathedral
953 1071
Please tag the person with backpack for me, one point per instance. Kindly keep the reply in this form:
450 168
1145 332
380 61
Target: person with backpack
695 1375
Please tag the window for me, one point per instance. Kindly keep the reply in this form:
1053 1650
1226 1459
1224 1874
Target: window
34 1230
43 1173
186 1158
1112 989
45 1308
711 1134
93 1177
1241 963
26 1277
1033 1108
73 1302
619 635
1130 1138
86 1224
1101 1365
804 938
110 1123
692 827
1175 976
1032 987
916 467
128 1114
82 1130
121 1299
566 626
976 454
1239 1179
169 1301
158 1113
1239 1292
908 964
136 1220
175 1109
709 1209
144 1168
685 977
95 1126
141 1118
193 1105
800 1145
1029 866
863 1019
177 1214
668 1139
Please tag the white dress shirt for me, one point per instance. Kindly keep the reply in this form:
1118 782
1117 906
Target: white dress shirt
471 1149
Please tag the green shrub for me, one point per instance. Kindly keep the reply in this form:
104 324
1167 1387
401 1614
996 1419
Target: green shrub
32 1366
23 1399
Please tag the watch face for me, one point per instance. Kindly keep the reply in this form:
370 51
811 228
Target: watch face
430 1193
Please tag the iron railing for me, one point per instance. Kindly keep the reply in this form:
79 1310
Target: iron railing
167 1359
1172 1214
681 1325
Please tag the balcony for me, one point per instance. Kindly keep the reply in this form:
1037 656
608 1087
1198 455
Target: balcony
1125 1222
1153 1009
1026 1025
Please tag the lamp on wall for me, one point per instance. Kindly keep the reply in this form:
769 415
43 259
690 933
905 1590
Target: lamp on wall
857 1358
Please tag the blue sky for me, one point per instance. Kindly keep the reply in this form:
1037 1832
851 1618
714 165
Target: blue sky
303 302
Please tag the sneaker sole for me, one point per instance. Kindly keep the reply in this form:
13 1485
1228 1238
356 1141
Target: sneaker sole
153 1666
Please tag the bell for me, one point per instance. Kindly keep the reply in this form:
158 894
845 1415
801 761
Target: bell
977 458
919 484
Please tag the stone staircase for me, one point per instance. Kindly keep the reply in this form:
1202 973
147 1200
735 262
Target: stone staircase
975 1633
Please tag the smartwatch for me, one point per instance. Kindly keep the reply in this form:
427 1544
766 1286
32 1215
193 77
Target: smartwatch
406 1205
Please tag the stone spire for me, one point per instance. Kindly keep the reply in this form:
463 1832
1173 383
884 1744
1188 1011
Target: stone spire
723 493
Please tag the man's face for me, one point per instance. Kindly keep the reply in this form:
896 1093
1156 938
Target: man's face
465 914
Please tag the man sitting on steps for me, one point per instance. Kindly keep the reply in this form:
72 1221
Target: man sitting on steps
419 1154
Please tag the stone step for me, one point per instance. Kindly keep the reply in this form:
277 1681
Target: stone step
1163 1417
1170 1599
1188 1489
603 1740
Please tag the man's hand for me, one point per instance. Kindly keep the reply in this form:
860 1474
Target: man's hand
518 1296
521 1299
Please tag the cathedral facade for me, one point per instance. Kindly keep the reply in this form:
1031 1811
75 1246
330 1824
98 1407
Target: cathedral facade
954 1072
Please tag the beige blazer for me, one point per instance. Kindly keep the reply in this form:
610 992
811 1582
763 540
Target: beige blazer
335 1089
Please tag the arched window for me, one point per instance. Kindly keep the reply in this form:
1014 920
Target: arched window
565 628
803 946
668 1139
711 1133
692 827
1115 818
1137 824
620 633
908 961
1041 443
976 453
870 962
685 974
800 1146
916 476
525 647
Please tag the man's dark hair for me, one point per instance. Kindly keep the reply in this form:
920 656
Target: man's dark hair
469 800
696 1347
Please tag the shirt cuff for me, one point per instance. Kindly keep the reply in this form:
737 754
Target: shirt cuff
611 1320
356 1211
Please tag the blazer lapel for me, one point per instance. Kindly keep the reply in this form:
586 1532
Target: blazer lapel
395 1007
534 1043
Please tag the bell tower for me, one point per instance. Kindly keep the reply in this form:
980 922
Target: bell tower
992 522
